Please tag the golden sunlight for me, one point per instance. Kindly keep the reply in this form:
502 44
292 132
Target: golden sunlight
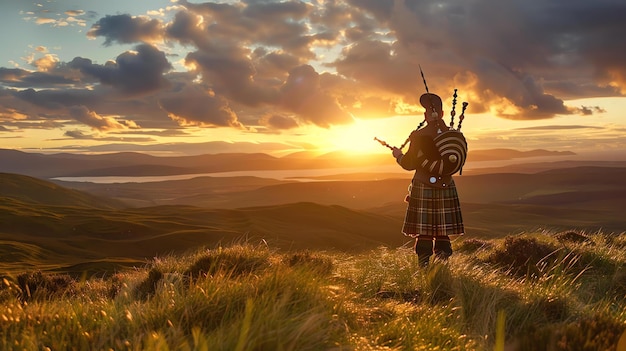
359 136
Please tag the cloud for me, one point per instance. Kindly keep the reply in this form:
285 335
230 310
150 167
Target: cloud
17 77
45 14
78 134
92 119
589 110
126 29
231 74
276 121
373 63
74 13
193 106
55 100
133 72
46 63
272 24
302 94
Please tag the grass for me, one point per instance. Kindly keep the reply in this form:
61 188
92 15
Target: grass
533 291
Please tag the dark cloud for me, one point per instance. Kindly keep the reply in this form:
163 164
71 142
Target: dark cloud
231 74
373 63
126 29
55 100
17 77
273 67
92 119
193 106
505 43
133 72
590 110
279 122
185 28
380 9
302 94
273 24
77 134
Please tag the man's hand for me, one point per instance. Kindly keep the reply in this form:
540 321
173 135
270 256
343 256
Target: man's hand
397 153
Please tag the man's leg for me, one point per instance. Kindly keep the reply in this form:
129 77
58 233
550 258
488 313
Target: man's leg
443 248
424 249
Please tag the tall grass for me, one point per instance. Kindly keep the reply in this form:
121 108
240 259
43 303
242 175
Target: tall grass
490 295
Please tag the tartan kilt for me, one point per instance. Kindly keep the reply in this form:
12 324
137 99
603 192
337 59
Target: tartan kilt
432 211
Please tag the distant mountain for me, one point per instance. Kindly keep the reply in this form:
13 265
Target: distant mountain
509 154
578 182
536 167
36 191
128 164
137 164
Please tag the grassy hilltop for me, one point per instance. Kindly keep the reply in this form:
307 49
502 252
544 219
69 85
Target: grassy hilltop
536 291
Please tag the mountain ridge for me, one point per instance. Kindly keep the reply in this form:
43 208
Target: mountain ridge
139 164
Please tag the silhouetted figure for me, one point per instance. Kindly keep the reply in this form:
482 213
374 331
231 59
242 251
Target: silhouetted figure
433 212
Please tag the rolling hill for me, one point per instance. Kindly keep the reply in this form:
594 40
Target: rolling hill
494 204
69 236
577 187
32 190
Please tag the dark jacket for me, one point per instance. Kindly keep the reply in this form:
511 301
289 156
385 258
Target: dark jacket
422 146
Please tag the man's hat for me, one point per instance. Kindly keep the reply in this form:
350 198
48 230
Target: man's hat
430 100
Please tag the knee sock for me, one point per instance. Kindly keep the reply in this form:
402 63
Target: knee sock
424 249
443 248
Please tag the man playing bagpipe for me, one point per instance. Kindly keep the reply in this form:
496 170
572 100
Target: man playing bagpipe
435 153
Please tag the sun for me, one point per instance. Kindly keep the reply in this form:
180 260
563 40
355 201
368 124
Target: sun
358 137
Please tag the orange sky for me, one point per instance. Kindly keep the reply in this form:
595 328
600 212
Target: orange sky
179 77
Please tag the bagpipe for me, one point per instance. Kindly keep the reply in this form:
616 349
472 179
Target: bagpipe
450 144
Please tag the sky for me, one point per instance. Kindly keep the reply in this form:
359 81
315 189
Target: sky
179 77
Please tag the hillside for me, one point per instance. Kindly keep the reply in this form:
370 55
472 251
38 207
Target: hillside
69 238
173 192
32 190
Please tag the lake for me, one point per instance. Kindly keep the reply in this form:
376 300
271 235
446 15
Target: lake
302 174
